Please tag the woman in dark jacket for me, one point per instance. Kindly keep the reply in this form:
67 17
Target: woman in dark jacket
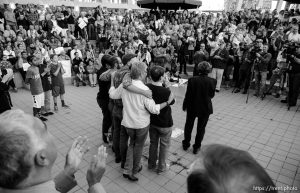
5 101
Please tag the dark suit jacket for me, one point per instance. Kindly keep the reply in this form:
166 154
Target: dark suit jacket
200 91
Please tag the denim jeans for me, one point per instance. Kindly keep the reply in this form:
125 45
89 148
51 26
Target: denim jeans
162 135
260 81
134 153
123 144
117 136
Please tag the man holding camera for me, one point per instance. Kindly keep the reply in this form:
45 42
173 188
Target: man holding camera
261 69
294 78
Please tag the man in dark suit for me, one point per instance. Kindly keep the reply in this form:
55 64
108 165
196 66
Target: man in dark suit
197 103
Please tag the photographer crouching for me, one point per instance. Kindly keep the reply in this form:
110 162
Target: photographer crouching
294 77
261 70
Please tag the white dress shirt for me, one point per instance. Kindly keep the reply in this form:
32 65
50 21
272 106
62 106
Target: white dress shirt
136 107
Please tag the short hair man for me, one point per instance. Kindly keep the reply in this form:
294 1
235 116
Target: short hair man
224 169
28 153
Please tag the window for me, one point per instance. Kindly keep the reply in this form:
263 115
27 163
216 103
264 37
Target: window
124 1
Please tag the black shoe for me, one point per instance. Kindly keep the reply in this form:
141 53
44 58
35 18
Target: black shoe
292 105
118 160
50 113
283 101
196 150
185 147
245 92
217 90
140 169
237 91
131 178
45 114
277 95
257 95
43 119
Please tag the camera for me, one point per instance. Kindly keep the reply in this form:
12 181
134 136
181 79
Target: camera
290 48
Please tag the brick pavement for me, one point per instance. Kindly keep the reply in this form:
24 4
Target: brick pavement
265 129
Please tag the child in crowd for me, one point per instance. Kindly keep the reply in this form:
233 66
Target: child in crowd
92 73
80 74
34 79
58 86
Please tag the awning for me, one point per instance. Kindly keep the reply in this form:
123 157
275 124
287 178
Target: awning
293 1
170 4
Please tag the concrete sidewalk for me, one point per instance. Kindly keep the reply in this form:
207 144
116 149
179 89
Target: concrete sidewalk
265 129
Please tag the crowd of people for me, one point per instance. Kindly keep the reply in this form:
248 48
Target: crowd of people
134 56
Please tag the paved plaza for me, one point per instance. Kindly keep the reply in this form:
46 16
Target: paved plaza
265 129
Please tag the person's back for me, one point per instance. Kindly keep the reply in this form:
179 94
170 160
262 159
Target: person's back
161 94
200 90
135 113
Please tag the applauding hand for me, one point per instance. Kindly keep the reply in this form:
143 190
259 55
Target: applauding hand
97 167
75 154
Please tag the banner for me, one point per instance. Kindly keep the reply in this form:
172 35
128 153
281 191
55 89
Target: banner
26 66
267 4
67 67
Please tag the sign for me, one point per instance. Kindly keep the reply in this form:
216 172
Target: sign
26 66
267 4
67 67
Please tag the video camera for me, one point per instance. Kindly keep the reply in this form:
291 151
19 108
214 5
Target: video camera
290 48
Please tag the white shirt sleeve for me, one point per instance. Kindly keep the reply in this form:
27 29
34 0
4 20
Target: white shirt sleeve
151 106
116 93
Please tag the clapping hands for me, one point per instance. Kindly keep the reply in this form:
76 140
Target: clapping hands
97 167
75 154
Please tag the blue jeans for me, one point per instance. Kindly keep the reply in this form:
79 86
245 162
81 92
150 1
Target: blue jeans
164 136
134 152
123 144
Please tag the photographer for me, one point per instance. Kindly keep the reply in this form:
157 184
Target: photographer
261 70
247 61
294 78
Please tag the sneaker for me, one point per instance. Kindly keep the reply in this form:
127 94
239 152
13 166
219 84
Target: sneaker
50 113
55 109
